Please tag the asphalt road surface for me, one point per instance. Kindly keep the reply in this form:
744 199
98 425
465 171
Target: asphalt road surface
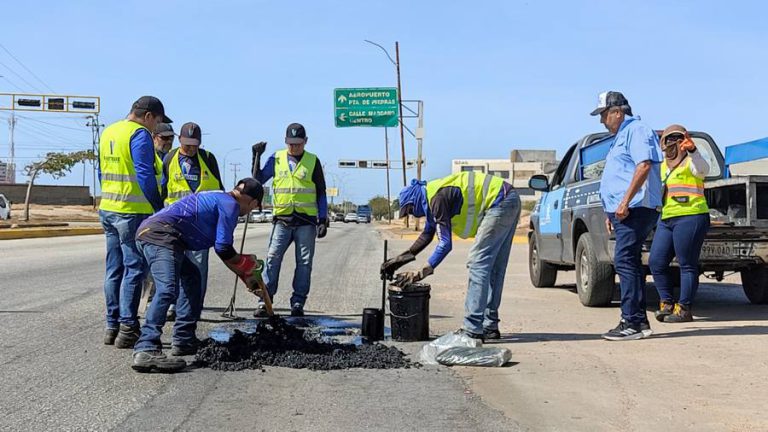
55 374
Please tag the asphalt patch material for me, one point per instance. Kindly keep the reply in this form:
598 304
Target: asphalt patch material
278 343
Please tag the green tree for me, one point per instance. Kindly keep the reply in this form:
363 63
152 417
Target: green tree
55 164
380 207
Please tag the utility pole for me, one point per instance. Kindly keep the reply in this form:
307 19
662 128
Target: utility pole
11 176
93 123
400 104
389 198
235 166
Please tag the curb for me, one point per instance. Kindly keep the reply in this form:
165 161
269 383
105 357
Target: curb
22 233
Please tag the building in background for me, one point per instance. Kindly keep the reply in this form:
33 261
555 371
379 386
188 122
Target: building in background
7 173
516 170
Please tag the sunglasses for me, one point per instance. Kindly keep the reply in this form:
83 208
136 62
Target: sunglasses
673 138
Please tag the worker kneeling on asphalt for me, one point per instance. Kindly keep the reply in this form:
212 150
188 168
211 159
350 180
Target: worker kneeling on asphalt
469 204
196 222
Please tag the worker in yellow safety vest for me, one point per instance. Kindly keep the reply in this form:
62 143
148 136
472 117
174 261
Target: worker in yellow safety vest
129 170
683 225
300 211
187 170
468 204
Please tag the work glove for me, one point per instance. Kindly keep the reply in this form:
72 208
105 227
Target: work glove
391 265
322 229
248 268
407 278
259 148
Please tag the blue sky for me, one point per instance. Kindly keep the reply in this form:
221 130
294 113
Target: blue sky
494 76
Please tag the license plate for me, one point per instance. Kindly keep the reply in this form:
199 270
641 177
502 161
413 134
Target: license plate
727 250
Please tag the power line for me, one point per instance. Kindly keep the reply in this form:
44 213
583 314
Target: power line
52 124
26 68
13 84
22 78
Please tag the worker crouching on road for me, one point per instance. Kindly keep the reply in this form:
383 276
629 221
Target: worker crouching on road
683 226
469 204
196 222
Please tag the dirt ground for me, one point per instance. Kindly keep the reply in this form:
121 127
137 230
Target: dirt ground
55 213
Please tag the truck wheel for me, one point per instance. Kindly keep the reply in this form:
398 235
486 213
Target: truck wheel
755 283
594 280
543 274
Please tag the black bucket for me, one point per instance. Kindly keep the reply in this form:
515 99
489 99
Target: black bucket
373 324
409 313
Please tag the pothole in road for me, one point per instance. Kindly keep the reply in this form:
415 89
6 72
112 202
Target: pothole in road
300 344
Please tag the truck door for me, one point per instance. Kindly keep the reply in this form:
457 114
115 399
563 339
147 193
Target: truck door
550 213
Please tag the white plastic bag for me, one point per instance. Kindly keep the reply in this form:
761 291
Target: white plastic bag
431 350
466 356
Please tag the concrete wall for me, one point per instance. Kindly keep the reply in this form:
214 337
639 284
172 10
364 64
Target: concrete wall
48 194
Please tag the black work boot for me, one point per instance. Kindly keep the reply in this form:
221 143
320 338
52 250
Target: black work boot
480 337
127 336
297 310
180 350
681 313
146 361
260 311
109 336
665 309
491 334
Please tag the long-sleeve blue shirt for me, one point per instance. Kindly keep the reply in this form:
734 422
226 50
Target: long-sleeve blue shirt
318 178
143 155
196 222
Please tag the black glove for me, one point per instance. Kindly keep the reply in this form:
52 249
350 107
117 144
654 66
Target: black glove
322 229
392 264
259 148
407 278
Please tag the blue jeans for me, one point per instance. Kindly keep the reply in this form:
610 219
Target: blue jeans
303 238
177 280
487 264
200 260
630 236
124 268
682 237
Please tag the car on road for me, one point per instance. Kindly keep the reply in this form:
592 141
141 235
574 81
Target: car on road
350 217
364 213
338 217
567 229
5 208
257 217
362 218
268 215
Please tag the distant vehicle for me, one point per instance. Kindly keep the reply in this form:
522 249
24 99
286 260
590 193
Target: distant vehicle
364 211
5 208
267 215
257 217
338 217
362 218
350 217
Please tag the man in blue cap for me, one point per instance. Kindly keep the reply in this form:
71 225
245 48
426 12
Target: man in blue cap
468 204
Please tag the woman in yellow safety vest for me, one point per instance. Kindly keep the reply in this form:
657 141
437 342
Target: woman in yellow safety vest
683 225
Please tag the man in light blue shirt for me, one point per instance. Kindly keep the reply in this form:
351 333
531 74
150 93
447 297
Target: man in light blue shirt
630 190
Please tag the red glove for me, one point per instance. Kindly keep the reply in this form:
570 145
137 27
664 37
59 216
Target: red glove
247 267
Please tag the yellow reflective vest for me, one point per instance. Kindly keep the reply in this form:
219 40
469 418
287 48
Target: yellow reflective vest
684 192
478 192
294 190
120 190
177 185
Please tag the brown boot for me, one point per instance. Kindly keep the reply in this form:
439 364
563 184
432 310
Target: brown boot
682 313
665 309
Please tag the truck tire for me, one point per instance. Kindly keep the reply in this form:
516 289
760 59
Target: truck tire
755 283
594 280
543 274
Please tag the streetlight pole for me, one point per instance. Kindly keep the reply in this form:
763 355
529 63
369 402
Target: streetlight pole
224 180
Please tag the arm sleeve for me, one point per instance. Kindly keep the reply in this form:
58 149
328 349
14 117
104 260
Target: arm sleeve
441 206
699 166
425 238
322 201
213 165
268 171
226 224
143 154
226 253
644 146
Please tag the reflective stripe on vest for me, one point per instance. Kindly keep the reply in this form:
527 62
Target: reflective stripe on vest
294 190
684 192
475 199
177 185
120 190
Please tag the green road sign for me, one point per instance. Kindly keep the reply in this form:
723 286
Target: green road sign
377 107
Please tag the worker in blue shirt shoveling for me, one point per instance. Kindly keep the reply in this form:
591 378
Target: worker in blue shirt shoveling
469 204
196 222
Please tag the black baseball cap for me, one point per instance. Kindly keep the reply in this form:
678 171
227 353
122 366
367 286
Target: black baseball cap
153 105
252 188
295 134
607 100
190 134
164 129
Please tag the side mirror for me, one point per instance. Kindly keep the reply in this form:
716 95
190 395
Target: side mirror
539 182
